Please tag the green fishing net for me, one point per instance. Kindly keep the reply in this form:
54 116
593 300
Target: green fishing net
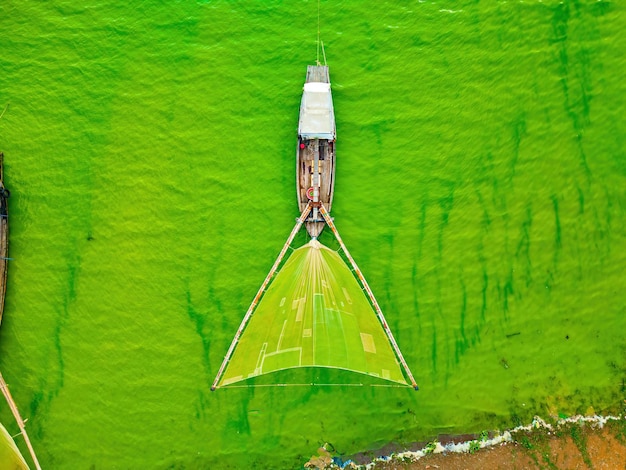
314 314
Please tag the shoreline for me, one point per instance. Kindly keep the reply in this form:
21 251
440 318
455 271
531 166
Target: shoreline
507 437
521 443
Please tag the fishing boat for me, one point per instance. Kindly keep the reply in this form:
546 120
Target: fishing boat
4 388
315 155
4 236
315 178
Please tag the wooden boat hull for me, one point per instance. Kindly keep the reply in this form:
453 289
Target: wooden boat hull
315 154
4 236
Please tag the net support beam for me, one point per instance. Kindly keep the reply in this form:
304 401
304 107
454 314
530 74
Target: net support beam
299 221
370 294
18 418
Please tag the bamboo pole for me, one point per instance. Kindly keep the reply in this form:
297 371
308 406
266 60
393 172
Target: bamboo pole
18 418
258 295
5 110
370 294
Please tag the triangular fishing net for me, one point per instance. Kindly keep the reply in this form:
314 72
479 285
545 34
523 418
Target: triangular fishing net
314 314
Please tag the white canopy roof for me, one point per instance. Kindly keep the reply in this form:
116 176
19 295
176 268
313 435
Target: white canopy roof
317 118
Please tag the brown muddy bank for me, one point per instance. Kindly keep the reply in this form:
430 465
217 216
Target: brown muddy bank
570 446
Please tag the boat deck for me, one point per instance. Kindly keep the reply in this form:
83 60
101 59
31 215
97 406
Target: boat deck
317 73
326 169
316 146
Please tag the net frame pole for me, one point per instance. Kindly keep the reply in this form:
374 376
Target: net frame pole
370 294
299 221
18 418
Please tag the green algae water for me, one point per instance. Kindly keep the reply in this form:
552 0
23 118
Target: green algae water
149 148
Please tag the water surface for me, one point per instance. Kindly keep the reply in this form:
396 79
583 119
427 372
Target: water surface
149 148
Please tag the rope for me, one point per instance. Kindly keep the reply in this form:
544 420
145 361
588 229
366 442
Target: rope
316 385
318 32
